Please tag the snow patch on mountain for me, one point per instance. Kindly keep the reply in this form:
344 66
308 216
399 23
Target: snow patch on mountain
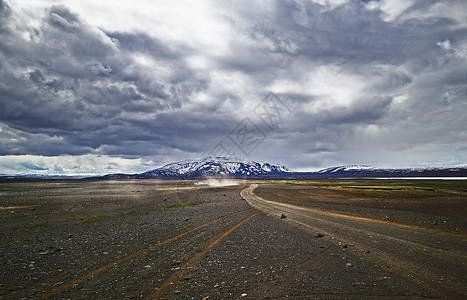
352 168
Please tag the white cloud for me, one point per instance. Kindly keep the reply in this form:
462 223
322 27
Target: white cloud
446 45
191 22
393 9
426 11
71 165
331 4
372 5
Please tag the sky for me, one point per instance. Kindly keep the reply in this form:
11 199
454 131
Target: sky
98 87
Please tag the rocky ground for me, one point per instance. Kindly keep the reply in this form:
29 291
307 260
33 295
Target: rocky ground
171 240
439 204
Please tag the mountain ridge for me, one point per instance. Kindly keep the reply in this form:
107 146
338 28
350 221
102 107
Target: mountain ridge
215 166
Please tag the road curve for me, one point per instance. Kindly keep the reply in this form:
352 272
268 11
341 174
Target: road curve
433 259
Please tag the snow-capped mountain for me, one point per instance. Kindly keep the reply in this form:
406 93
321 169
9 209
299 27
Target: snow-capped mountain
343 169
215 166
373 172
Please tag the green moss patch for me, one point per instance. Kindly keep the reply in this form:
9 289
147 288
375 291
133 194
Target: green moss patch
38 225
96 218
183 204
387 187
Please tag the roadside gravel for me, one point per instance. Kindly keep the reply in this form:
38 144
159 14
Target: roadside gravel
369 207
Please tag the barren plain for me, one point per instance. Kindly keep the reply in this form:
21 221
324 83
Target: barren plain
153 239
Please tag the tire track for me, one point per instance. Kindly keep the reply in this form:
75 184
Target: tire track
159 265
212 242
67 285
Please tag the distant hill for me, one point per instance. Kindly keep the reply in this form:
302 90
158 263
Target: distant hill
40 176
355 171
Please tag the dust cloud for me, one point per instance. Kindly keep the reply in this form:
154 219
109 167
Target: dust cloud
217 182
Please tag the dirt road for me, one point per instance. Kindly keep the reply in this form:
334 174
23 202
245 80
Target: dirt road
432 258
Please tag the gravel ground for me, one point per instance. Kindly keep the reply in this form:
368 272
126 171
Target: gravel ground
218 249
269 259
413 211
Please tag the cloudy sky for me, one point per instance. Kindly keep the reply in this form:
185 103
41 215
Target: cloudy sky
91 87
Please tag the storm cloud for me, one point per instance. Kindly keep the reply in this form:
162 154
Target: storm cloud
136 86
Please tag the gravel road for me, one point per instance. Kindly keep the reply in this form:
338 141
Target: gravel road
148 243
435 259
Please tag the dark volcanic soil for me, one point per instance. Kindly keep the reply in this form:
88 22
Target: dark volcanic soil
439 205
217 248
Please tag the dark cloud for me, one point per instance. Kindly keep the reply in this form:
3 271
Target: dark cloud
367 111
77 83
144 43
61 17
358 80
4 9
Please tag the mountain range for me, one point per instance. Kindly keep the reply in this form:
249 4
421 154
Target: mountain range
238 168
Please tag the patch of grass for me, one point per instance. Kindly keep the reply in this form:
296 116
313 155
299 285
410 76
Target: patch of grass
387 187
284 182
96 218
132 212
38 225
374 187
157 208
371 186
301 183
182 205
